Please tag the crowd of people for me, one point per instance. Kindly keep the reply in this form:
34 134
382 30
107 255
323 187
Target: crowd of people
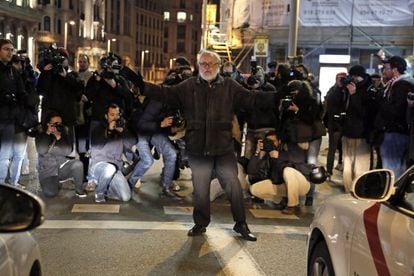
254 135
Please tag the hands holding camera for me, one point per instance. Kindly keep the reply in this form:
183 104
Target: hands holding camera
267 146
55 129
167 121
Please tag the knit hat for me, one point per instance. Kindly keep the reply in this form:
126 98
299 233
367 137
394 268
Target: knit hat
182 62
357 70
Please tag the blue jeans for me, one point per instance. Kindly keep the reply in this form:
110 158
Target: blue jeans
110 181
6 148
394 151
18 154
164 146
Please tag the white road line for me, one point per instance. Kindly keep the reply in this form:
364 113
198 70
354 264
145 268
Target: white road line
160 225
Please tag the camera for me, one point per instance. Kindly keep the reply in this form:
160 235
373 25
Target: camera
59 127
346 80
120 123
253 65
52 56
268 145
108 66
178 119
286 102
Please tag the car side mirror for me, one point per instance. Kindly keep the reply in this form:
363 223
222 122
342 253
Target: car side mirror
375 185
19 210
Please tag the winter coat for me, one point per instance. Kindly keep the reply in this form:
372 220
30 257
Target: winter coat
208 110
12 93
60 94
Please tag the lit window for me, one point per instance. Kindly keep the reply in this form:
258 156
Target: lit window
166 16
181 16
191 17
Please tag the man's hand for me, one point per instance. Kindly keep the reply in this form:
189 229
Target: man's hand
47 67
351 88
112 125
111 82
293 107
63 73
167 122
274 154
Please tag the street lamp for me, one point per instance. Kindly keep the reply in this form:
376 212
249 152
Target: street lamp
143 52
65 42
109 44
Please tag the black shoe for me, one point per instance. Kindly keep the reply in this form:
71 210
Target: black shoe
281 205
309 201
170 194
197 230
243 230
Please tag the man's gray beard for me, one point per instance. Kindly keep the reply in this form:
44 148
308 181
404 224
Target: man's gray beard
208 79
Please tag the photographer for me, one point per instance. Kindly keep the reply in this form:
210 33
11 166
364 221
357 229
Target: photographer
109 141
106 86
334 116
261 119
53 147
391 123
153 128
274 176
12 98
27 118
61 89
356 124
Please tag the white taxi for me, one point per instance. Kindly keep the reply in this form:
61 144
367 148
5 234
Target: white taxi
367 232
19 252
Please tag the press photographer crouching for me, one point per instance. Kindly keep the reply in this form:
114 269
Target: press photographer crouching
109 140
276 178
53 147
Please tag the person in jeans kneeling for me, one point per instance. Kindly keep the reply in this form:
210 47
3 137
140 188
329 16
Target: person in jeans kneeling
109 139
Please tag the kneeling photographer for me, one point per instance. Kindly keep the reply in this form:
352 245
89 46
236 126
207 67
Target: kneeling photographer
275 177
53 146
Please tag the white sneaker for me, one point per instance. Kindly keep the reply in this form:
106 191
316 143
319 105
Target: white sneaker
138 184
20 186
175 187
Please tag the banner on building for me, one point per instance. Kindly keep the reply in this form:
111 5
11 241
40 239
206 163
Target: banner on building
261 46
360 13
211 14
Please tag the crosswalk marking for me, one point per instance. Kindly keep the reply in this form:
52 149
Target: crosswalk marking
95 208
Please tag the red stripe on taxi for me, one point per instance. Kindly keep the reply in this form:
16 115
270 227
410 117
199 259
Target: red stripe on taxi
371 228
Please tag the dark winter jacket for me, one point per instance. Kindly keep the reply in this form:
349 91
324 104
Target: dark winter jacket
60 94
12 93
266 167
100 94
108 145
335 106
391 116
209 110
356 123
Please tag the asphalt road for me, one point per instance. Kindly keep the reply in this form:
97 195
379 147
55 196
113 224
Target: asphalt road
148 235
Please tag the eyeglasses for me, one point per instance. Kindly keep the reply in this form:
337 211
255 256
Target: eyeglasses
8 49
207 64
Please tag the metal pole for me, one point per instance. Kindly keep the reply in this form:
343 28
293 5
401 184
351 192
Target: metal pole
293 28
65 41
142 61
204 25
